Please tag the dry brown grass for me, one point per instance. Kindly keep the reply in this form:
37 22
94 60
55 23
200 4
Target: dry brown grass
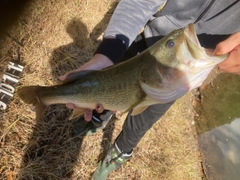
58 36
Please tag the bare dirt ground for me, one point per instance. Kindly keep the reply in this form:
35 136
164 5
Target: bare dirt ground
58 36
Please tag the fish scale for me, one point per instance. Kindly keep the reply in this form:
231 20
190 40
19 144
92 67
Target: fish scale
162 73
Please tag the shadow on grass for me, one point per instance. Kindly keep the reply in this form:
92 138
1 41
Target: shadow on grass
53 149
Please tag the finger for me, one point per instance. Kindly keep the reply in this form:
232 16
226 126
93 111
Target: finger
209 52
74 75
233 69
68 75
70 106
232 60
228 45
62 78
88 116
99 108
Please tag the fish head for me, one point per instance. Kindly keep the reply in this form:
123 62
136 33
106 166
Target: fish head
196 61
181 65
181 50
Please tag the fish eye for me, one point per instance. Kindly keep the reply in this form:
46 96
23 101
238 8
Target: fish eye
170 43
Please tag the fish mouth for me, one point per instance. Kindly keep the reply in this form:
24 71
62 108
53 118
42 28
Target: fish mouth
203 60
197 51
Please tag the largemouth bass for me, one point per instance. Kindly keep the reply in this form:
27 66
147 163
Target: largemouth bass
162 73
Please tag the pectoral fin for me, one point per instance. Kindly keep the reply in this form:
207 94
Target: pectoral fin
143 105
136 104
77 112
138 110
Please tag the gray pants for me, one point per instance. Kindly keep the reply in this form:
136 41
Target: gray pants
135 127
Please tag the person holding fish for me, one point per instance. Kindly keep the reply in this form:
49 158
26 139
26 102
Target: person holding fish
217 26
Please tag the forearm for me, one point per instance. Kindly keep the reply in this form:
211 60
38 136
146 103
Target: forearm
130 17
127 21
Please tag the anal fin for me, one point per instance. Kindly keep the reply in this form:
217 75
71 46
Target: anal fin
77 112
40 109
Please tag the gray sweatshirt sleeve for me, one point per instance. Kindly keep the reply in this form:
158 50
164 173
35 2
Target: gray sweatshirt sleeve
129 18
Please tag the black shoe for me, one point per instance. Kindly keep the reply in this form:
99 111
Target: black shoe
98 122
113 160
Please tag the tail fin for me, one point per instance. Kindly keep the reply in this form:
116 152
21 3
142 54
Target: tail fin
29 94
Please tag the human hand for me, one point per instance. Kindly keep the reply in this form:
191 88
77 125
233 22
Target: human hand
232 46
98 62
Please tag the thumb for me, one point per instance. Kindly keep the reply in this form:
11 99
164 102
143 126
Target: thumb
228 45
62 78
